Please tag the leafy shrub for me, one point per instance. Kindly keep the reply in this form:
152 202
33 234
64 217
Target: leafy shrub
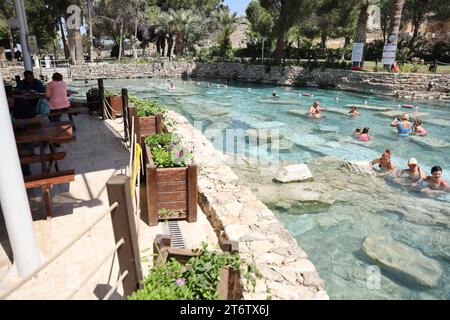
146 108
198 279
94 92
168 152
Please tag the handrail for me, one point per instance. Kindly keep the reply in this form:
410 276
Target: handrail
110 292
58 253
95 270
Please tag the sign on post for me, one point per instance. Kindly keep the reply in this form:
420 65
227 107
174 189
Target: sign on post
357 52
32 44
389 52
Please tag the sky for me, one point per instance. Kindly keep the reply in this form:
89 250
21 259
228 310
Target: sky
238 6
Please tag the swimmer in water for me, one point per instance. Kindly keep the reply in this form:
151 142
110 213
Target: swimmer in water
337 98
275 94
414 172
418 130
353 112
435 181
314 111
364 136
385 163
209 84
365 101
171 86
357 133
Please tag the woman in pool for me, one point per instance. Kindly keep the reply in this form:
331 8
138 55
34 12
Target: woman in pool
414 172
403 126
171 86
418 130
435 181
385 163
364 136
314 111
353 112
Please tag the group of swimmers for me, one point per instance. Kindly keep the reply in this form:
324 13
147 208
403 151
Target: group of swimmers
435 181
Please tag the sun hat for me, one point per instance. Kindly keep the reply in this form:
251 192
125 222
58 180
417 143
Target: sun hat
412 161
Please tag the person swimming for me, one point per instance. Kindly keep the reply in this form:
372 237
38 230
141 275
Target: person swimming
315 109
385 163
414 172
364 136
171 86
403 125
435 181
418 130
357 133
353 112
275 94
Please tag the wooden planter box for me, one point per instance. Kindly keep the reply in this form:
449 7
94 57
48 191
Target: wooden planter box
171 189
116 104
145 126
229 285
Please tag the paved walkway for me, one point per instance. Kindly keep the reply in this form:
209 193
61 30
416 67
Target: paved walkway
97 155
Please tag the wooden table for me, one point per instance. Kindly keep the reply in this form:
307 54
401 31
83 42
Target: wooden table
48 133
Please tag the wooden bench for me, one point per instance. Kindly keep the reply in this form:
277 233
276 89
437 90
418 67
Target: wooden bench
47 157
70 111
45 181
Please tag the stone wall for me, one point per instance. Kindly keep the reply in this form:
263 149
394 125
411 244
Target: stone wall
237 214
409 85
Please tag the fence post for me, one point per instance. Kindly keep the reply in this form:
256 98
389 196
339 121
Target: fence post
124 226
192 193
101 93
159 123
125 113
132 113
152 195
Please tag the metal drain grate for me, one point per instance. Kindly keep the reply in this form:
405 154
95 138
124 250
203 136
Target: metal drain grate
173 228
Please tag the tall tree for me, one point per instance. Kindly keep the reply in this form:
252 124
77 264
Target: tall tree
226 23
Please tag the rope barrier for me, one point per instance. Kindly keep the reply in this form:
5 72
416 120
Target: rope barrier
113 289
58 253
95 270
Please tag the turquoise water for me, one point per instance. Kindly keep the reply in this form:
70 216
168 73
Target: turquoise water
331 232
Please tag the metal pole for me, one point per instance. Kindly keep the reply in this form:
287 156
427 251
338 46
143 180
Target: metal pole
20 12
13 198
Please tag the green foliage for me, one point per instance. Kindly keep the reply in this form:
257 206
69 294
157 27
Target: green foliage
166 213
168 152
146 108
198 279
93 92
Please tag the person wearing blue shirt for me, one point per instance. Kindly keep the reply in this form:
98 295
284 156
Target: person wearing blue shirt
30 83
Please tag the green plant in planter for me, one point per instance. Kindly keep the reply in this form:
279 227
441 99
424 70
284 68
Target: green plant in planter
167 151
146 108
93 92
110 93
198 279
166 213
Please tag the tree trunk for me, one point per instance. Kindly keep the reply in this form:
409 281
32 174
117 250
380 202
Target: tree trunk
91 38
120 40
55 51
11 46
394 27
133 40
361 28
75 42
178 44
280 47
169 45
323 40
162 38
64 40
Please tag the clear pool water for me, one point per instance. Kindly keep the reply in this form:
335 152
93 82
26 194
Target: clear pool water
331 232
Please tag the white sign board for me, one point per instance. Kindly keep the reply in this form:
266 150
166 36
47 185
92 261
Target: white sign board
357 53
389 52
32 44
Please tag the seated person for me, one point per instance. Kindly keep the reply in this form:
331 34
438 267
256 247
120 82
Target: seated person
353 112
385 163
56 93
357 133
414 172
364 136
403 125
418 129
30 83
435 181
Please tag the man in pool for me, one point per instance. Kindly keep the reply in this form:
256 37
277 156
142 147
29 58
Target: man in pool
315 109
386 164
414 172
435 182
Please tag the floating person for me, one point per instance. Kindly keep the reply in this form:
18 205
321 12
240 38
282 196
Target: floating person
365 101
385 163
220 85
403 125
418 130
414 172
275 94
435 181
315 110
336 98
357 133
364 136
198 83
171 86
353 112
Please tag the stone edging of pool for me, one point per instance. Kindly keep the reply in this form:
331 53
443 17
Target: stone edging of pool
237 214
